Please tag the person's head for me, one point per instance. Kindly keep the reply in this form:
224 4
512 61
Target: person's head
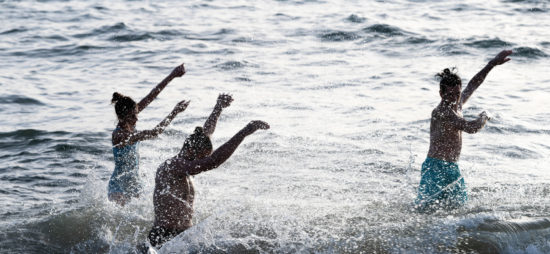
450 85
125 108
197 145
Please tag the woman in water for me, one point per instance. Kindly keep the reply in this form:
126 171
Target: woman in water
124 182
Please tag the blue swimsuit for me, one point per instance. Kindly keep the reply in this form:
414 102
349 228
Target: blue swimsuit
125 177
441 185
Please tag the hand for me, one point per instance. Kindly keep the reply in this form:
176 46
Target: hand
255 125
178 71
181 106
224 100
484 116
501 58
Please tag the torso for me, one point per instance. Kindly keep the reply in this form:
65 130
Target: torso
445 139
173 199
119 135
125 176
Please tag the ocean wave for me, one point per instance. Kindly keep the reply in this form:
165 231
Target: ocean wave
232 65
210 36
24 179
522 1
131 37
51 37
224 31
57 234
384 29
501 236
532 10
418 40
100 8
528 52
222 52
123 33
338 36
20 99
515 152
55 142
169 32
283 16
451 49
330 86
243 39
65 50
83 18
78 147
201 37
104 30
355 19
31 133
515 129
14 30
243 79
488 43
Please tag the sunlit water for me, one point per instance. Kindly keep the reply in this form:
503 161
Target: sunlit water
348 88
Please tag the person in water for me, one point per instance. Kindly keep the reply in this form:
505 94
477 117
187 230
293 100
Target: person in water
174 192
124 182
441 184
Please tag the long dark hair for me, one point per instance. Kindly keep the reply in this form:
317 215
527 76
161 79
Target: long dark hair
124 105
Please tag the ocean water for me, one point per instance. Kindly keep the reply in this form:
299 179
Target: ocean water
347 86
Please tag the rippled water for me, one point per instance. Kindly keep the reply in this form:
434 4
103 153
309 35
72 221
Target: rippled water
347 87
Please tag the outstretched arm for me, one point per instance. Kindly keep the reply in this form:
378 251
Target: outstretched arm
177 72
153 133
476 81
468 126
224 100
222 153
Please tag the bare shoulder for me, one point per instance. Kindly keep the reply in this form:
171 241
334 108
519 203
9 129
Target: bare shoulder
443 113
168 164
173 167
438 112
118 136
164 169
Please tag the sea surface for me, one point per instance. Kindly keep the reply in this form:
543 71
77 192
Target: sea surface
347 87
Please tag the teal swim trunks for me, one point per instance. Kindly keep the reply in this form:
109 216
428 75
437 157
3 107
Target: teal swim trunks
441 186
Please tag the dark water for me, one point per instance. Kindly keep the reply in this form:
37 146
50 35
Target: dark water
347 87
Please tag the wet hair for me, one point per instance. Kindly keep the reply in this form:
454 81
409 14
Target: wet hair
448 78
124 105
196 143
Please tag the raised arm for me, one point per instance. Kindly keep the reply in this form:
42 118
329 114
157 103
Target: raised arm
467 126
153 133
476 81
177 72
222 153
224 100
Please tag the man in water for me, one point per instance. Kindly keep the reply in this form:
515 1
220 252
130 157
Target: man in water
441 184
174 191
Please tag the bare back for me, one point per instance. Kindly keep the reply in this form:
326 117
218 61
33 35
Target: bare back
173 199
445 138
